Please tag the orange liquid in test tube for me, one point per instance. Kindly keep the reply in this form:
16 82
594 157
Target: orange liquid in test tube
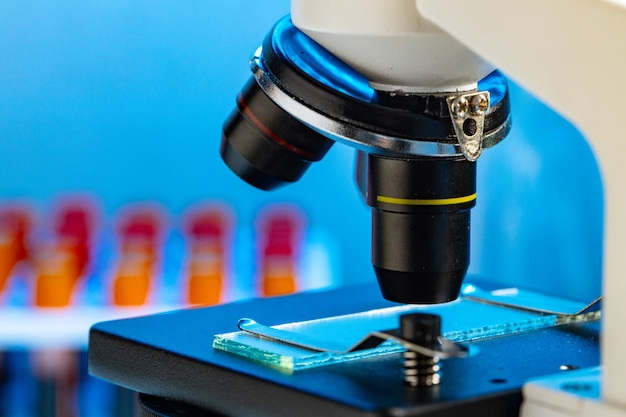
139 238
8 255
207 230
14 226
279 240
56 277
132 281
279 276
205 279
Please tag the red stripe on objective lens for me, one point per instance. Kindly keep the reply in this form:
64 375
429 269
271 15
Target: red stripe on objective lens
243 106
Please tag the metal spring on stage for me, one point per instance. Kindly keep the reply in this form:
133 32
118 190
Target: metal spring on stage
424 330
420 370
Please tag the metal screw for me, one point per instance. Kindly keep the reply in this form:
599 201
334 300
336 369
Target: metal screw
479 104
423 330
459 107
472 147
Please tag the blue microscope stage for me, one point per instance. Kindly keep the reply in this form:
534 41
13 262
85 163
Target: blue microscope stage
169 359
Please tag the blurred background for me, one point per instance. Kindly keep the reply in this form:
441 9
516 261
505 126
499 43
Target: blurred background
113 110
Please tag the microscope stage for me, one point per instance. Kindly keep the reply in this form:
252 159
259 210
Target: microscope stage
170 356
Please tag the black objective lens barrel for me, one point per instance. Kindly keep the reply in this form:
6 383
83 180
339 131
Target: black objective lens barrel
264 145
420 226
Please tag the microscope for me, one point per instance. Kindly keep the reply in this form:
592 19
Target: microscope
419 131
410 85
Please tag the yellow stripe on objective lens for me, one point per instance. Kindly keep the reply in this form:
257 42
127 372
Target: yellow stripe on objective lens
426 202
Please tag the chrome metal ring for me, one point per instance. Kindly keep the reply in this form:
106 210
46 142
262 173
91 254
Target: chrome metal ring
356 137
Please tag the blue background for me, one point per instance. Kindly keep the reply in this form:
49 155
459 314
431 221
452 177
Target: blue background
125 101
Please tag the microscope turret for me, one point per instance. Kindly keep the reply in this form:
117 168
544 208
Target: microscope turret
419 128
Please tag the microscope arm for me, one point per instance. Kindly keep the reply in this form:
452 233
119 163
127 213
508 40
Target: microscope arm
572 54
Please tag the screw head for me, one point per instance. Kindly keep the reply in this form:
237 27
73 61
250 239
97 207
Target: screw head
460 107
472 147
479 103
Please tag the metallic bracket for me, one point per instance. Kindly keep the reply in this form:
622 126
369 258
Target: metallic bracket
594 306
468 119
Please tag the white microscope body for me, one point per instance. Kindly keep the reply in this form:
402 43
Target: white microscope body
569 53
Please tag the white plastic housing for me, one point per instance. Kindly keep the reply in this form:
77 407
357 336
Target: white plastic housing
390 44
572 54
